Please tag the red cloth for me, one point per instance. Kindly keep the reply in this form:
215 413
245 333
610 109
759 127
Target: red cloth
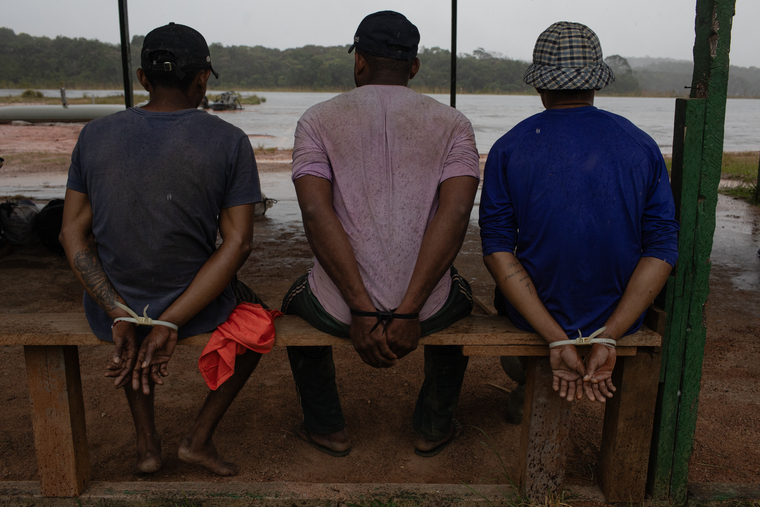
249 326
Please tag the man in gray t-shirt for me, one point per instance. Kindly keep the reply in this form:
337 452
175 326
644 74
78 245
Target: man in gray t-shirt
148 190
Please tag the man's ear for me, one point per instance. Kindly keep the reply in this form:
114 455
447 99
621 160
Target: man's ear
360 64
201 80
144 81
415 68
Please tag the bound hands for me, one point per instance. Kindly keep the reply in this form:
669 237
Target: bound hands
380 348
153 357
124 354
372 346
572 377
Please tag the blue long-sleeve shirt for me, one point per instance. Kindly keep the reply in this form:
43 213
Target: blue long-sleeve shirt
579 196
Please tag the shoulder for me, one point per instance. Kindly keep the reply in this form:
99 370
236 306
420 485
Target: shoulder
638 136
516 134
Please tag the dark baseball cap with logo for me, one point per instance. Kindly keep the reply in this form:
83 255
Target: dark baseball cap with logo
175 48
387 34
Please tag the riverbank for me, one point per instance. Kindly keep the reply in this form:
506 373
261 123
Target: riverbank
33 151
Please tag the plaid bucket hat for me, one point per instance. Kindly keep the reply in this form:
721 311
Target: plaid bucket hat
568 56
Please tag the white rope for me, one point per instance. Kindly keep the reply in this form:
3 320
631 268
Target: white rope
586 340
141 321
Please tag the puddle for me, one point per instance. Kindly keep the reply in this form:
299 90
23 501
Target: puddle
736 241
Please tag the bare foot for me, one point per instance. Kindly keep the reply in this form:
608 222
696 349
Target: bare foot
206 455
148 456
334 444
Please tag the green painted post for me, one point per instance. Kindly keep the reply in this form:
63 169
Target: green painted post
697 158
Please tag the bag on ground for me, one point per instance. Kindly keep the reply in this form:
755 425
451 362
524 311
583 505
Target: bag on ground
17 220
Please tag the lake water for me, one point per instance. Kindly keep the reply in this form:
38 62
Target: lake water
273 123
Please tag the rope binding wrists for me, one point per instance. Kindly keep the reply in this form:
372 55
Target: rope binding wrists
586 340
141 321
384 317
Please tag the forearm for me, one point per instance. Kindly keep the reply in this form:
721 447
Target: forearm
440 246
331 247
82 253
517 286
645 284
209 282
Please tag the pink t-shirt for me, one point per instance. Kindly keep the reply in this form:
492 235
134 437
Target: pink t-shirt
386 150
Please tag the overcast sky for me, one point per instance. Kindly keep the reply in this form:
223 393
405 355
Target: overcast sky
657 28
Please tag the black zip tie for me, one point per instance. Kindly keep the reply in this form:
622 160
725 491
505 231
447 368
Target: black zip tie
385 317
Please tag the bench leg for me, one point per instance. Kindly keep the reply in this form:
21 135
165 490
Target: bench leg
628 422
60 436
545 431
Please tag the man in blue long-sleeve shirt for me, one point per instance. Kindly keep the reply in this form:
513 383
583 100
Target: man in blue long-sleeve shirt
576 215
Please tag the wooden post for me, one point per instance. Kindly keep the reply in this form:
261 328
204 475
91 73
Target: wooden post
126 54
545 433
628 420
697 158
60 436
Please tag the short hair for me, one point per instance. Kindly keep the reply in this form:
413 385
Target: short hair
163 79
389 65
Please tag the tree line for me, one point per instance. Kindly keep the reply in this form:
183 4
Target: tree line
42 62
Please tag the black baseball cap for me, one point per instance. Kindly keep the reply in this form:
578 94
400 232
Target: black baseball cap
387 34
181 49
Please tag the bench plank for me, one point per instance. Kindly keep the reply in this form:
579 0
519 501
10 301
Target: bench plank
60 435
530 350
72 329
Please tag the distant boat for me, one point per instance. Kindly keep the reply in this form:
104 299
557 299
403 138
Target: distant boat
228 101
57 114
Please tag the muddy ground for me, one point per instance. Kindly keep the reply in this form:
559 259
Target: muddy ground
256 432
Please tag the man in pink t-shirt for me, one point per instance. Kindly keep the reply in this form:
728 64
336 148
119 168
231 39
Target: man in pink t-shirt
386 180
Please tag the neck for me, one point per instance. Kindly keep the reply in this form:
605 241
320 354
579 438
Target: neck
563 100
387 81
162 100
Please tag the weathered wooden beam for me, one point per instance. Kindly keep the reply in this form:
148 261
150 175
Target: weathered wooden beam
685 336
60 435
545 433
628 421
72 329
685 173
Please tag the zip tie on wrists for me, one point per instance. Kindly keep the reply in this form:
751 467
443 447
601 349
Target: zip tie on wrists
586 340
141 321
384 317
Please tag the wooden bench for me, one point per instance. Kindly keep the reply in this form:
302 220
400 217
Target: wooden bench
52 364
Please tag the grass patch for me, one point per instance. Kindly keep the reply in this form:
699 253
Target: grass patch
744 192
35 97
253 99
740 165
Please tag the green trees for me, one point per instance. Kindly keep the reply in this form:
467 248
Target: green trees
42 62
625 82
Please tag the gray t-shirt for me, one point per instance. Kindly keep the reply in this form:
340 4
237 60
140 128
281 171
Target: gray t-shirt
156 183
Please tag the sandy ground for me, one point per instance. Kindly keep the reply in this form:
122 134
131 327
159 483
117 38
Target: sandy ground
256 432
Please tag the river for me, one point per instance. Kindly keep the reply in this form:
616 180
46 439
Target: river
272 124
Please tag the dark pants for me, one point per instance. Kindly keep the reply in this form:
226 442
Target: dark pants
314 369
513 366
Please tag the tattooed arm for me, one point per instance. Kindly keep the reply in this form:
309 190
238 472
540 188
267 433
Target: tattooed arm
517 286
81 249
